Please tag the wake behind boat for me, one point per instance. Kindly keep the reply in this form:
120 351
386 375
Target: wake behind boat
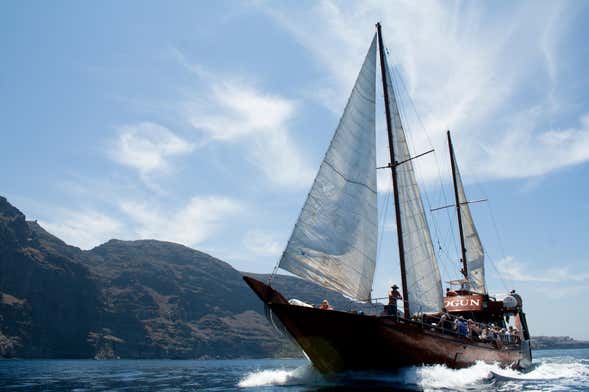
334 244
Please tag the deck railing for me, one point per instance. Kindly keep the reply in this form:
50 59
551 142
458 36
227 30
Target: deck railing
449 326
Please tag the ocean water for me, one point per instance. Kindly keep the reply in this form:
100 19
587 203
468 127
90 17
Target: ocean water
553 370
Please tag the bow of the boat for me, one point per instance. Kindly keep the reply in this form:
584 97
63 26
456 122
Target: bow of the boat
264 291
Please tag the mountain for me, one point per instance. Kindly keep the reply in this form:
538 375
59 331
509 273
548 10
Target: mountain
49 299
130 299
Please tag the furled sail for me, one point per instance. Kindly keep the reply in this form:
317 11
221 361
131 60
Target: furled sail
424 284
475 255
334 240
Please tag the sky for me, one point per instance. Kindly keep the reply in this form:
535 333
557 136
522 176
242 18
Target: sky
204 123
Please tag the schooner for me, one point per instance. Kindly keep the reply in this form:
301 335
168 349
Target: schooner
334 244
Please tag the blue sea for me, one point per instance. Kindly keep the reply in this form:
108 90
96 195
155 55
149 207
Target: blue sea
554 370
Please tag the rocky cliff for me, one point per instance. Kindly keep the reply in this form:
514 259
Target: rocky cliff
49 298
129 299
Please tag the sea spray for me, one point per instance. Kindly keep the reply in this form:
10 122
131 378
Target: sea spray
545 375
303 375
548 370
441 377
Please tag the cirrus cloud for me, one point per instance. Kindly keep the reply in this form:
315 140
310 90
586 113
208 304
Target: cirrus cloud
147 147
196 221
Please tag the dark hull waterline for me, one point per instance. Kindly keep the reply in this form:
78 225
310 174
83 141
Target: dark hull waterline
338 341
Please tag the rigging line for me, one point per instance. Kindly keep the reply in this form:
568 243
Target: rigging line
501 248
490 258
381 234
441 187
452 277
432 219
495 228
450 220
445 260
425 192
443 263
403 112
382 220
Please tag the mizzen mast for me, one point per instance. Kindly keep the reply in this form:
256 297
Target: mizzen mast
458 212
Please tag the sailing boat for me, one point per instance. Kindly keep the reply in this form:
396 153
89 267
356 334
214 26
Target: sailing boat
334 244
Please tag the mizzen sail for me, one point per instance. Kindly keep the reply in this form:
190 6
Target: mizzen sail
424 283
474 253
334 240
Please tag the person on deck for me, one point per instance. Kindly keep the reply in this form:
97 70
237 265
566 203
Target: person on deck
517 297
394 295
450 293
443 320
325 305
485 333
474 331
513 335
461 326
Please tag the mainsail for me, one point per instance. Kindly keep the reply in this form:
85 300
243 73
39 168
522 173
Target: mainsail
334 240
424 284
474 253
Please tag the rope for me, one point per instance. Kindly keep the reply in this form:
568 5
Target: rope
382 219
490 258
442 189
396 75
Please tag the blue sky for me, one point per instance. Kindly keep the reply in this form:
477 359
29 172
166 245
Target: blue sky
204 124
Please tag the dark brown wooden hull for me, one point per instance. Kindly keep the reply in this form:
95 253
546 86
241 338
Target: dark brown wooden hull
340 341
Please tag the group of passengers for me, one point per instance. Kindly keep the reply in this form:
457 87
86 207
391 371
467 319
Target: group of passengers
479 332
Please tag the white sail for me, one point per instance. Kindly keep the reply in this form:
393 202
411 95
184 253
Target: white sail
334 240
475 255
424 283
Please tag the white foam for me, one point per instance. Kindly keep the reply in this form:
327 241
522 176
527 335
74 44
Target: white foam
440 376
548 371
302 375
429 378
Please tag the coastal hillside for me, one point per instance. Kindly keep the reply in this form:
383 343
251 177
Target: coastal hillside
138 299
557 342
49 300
130 299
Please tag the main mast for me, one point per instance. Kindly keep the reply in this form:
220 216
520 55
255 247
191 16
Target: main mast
458 213
393 166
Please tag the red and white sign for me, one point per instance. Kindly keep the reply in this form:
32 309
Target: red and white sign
463 303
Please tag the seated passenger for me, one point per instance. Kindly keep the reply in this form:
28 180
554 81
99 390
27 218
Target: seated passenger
450 293
484 333
443 324
461 327
474 330
511 333
325 305
503 335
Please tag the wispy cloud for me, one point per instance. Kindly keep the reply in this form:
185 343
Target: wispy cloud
467 68
191 224
230 109
544 151
147 147
514 270
261 243
240 110
83 228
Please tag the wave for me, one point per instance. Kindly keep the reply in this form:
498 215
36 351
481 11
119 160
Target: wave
544 373
303 375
